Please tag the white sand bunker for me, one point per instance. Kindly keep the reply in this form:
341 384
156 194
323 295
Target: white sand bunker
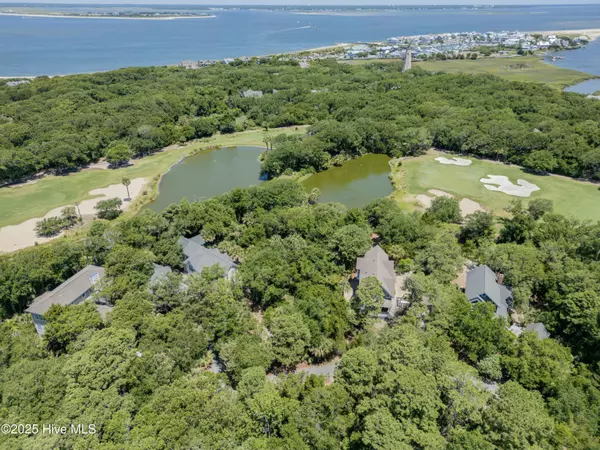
15 237
424 200
439 193
454 161
521 189
467 206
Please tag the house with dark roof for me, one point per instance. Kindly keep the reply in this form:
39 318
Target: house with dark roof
483 286
198 257
73 291
376 263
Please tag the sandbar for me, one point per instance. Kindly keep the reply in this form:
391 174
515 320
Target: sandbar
61 16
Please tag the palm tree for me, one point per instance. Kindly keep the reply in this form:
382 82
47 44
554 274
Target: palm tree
126 182
267 139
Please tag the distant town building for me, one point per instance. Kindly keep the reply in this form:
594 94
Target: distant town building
16 83
73 291
189 64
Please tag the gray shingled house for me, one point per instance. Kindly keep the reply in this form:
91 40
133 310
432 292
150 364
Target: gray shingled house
482 286
159 272
376 263
197 256
538 328
73 291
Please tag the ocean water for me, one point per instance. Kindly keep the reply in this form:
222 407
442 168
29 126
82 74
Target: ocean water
52 46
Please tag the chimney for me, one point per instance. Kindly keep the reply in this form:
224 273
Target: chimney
500 278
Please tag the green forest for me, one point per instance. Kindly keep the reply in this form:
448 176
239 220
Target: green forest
63 123
441 375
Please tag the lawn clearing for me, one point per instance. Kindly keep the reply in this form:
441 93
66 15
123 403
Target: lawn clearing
21 202
518 68
416 176
515 68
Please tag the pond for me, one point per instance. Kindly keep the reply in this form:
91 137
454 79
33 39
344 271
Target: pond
355 183
208 174
587 87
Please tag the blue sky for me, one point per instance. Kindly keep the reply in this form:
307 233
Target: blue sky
319 2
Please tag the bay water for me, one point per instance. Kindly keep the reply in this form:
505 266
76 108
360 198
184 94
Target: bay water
51 46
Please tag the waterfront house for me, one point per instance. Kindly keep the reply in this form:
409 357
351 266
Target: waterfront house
198 257
73 291
483 285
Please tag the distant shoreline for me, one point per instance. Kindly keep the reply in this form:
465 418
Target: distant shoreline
344 13
592 34
61 16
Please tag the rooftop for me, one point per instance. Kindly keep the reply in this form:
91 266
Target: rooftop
376 263
69 291
200 257
159 272
538 328
482 280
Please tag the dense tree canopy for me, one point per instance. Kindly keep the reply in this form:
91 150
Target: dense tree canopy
442 374
206 361
62 123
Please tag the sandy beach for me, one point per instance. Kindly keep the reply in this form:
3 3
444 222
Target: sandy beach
60 16
317 49
16 237
593 34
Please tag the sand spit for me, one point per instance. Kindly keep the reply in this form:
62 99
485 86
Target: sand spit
592 34
60 16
